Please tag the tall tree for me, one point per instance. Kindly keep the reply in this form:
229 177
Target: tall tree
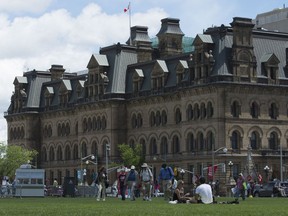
11 157
131 155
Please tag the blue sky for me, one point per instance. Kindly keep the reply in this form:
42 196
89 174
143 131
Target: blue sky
37 33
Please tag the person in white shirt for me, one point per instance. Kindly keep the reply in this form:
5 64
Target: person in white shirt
203 192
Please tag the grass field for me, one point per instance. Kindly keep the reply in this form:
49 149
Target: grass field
113 206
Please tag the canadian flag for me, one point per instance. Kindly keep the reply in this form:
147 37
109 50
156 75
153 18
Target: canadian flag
127 9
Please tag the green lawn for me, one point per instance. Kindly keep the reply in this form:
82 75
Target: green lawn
113 206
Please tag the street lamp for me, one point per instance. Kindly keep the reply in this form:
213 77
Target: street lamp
107 150
266 170
230 164
92 157
182 172
224 149
158 157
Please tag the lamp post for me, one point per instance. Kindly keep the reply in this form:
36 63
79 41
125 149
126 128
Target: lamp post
92 157
281 163
230 164
182 172
107 150
224 149
266 170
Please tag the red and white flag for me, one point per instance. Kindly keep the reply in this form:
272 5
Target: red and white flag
210 175
127 9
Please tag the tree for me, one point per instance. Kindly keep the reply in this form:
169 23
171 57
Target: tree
11 157
131 156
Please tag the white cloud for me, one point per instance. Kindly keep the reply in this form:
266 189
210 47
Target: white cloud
28 43
16 6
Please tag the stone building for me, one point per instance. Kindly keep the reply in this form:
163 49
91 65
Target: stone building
183 108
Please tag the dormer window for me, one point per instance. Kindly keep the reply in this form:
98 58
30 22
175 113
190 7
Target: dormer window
270 68
181 68
159 75
138 77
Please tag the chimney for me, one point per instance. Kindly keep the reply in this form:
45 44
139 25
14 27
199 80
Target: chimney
57 72
170 37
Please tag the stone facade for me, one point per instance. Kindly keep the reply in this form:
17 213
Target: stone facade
183 108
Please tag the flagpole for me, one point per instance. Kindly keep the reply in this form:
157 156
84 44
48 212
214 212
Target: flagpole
130 23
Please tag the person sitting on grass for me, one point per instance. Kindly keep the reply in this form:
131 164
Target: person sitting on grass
179 196
203 193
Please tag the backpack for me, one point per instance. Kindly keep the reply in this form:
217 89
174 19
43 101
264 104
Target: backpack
132 176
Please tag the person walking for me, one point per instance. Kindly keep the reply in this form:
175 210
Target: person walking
165 178
121 184
131 181
146 178
102 178
240 187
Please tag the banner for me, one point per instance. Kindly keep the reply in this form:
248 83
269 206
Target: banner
210 175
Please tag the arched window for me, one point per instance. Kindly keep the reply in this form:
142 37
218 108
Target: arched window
196 111
67 153
90 124
189 112
132 144
83 150
153 147
255 140
203 111
59 153
255 110
103 123
164 117
210 110
235 140
44 154
94 123
134 121
164 147
200 141
273 141
178 117
94 148
210 141
176 144
152 119
235 109
85 125
98 123
139 120
51 154
143 144
75 152
273 111
158 118
190 142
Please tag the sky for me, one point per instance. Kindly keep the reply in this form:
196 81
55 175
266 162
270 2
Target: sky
34 34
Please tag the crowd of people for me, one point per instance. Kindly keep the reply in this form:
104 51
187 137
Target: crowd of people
133 184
